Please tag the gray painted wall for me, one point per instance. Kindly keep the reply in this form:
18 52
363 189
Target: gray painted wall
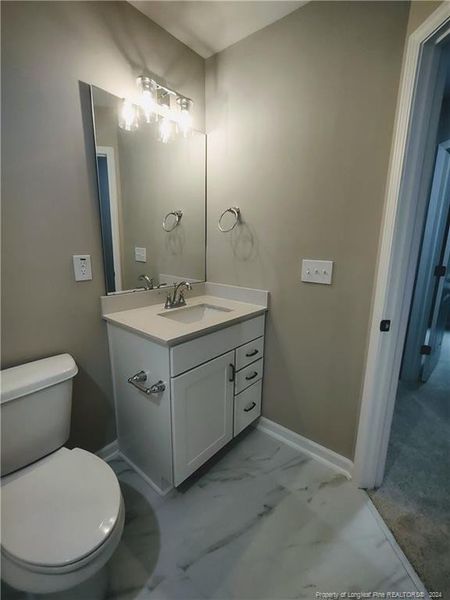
49 196
419 11
299 120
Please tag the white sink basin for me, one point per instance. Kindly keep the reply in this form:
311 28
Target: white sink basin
194 314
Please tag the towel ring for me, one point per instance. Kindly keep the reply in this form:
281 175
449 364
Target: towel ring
234 210
177 214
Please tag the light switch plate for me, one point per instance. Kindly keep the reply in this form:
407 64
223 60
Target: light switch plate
82 267
317 271
140 254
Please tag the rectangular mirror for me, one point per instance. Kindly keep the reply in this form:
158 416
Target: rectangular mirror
152 201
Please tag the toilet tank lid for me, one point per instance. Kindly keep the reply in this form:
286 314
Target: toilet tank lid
34 376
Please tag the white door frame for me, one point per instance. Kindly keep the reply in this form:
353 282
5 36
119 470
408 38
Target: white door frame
108 152
403 220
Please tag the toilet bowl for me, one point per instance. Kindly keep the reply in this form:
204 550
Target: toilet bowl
62 514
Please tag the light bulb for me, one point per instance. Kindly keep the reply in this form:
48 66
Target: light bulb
184 117
148 106
165 130
185 122
148 101
128 117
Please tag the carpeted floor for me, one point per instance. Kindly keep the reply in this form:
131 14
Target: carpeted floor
414 499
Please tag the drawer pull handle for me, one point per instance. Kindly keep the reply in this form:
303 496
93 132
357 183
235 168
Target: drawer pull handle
233 373
140 378
250 407
252 353
252 376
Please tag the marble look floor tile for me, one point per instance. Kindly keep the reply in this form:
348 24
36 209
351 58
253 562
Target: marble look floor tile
289 548
267 522
259 521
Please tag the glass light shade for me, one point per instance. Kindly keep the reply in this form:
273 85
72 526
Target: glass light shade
149 106
128 116
166 127
184 117
148 100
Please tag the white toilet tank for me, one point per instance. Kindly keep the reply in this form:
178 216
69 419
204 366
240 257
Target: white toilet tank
35 404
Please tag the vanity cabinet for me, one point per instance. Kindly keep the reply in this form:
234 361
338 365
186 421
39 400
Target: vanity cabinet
213 387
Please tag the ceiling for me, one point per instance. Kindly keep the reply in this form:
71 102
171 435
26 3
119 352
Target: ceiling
209 27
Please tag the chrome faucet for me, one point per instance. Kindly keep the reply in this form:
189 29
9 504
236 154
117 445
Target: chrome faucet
177 298
149 283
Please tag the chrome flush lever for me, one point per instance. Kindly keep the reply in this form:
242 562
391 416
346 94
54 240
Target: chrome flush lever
138 381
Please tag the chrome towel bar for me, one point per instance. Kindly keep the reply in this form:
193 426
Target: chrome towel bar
138 381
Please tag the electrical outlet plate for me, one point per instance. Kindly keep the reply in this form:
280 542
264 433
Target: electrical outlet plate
82 267
317 271
140 254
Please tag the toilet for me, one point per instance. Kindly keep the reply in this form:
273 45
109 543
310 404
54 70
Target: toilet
62 510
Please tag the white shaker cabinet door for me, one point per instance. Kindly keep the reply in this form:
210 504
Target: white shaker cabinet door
202 414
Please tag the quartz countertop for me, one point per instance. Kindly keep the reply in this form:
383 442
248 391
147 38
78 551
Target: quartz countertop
152 321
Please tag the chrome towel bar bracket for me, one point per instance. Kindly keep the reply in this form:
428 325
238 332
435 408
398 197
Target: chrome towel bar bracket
178 214
234 210
138 381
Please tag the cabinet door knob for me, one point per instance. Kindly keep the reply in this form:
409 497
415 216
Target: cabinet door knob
233 372
252 376
252 353
250 407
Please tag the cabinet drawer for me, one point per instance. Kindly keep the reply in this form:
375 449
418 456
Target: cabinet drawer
188 355
248 376
249 353
247 407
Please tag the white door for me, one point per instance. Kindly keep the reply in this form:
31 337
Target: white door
430 258
202 414
439 316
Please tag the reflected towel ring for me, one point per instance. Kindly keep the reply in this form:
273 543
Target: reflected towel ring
177 214
234 210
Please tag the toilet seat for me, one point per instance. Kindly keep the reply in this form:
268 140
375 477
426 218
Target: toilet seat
62 517
60 509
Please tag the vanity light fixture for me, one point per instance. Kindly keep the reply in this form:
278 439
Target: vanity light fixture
157 103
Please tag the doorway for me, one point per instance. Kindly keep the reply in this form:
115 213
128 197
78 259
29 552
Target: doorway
414 496
407 194
412 179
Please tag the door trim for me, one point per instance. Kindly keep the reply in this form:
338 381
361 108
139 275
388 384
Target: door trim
108 153
399 244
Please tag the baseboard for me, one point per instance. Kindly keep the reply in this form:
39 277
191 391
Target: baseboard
145 477
398 551
109 451
324 455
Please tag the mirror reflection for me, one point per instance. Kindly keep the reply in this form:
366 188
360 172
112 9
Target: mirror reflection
152 201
